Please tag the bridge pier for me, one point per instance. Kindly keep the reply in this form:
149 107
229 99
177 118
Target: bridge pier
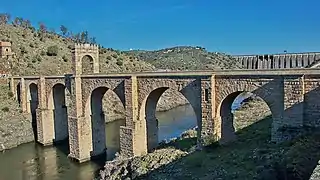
23 95
45 125
291 121
206 124
79 131
152 133
132 140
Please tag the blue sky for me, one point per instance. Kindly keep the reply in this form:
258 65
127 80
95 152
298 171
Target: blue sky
230 26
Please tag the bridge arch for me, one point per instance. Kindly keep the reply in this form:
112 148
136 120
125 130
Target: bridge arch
147 113
32 98
18 93
58 108
103 139
225 117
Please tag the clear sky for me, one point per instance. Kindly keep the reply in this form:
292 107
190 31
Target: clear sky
230 26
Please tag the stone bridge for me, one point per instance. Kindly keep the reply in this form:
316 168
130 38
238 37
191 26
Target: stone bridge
69 107
279 61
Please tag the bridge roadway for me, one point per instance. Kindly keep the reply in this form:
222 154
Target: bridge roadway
232 72
70 106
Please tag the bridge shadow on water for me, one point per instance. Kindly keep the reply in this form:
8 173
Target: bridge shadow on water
251 156
63 146
99 161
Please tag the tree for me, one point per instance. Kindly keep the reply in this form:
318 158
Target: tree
4 18
64 30
15 22
93 40
52 50
26 24
76 37
42 28
84 37
18 21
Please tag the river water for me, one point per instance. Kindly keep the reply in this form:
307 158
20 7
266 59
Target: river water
35 162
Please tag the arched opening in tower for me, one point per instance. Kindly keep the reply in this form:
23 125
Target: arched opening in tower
87 64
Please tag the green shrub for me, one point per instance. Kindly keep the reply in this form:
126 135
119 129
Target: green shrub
10 94
52 50
42 53
64 58
23 50
5 109
119 62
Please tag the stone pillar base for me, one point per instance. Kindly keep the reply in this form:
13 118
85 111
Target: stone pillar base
82 160
78 151
45 128
126 142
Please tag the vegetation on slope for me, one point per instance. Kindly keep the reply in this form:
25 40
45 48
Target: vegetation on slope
186 58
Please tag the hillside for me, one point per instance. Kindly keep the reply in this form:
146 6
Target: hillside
186 58
32 58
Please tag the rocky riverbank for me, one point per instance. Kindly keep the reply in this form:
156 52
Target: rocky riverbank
15 127
136 167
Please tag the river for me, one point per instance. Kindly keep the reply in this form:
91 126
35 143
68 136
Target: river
34 162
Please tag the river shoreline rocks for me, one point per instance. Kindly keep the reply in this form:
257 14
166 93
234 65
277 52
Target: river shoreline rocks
137 167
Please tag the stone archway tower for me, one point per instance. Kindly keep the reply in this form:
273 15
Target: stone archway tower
81 50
